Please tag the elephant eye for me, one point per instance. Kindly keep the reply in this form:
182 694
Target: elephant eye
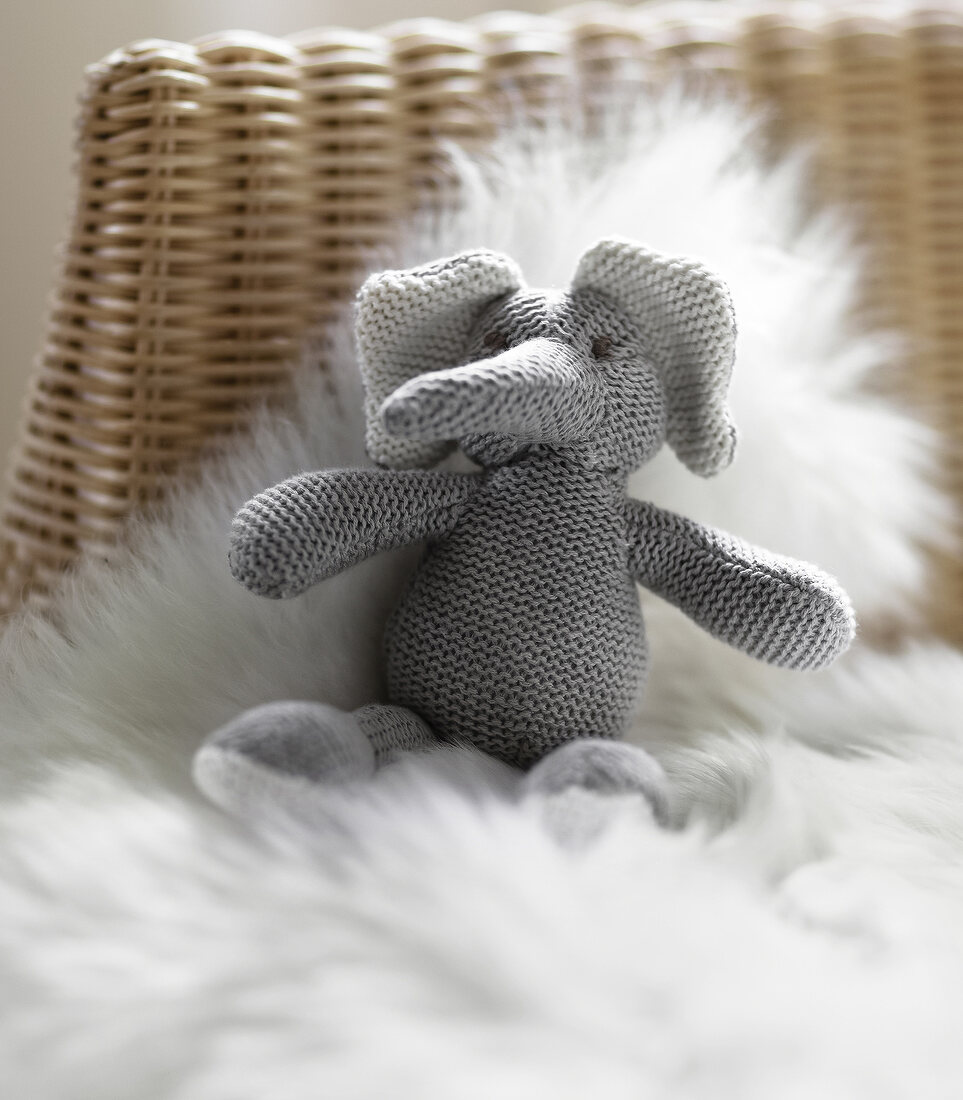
495 341
601 346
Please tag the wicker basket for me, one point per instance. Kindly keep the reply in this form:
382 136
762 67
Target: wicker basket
228 188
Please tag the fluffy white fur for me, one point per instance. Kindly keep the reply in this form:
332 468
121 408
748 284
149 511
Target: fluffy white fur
430 938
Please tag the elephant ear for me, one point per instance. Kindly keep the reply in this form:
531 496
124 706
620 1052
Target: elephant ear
410 322
686 315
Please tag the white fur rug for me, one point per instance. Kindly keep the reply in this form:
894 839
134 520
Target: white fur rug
800 935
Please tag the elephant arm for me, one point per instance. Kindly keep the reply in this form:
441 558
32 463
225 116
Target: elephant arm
317 524
778 609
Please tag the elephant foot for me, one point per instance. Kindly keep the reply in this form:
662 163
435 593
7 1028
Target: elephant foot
276 754
279 756
577 770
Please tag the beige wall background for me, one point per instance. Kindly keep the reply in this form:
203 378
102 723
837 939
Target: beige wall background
44 46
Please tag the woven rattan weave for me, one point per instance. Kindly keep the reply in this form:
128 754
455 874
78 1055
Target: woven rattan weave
228 189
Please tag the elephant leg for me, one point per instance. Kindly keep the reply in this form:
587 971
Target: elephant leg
393 731
601 767
280 754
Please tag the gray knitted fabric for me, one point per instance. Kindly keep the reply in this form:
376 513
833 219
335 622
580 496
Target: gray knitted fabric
283 735
276 756
778 609
410 322
393 731
521 629
315 525
604 767
269 754
686 314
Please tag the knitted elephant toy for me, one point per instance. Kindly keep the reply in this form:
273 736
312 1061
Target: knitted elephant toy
521 632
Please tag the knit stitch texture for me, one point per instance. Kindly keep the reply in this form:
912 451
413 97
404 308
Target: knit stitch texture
521 629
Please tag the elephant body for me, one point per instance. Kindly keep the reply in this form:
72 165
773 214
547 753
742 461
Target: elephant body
521 629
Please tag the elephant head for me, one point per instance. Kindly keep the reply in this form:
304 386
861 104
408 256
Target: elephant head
637 351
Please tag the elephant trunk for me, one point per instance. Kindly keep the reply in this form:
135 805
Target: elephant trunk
541 391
